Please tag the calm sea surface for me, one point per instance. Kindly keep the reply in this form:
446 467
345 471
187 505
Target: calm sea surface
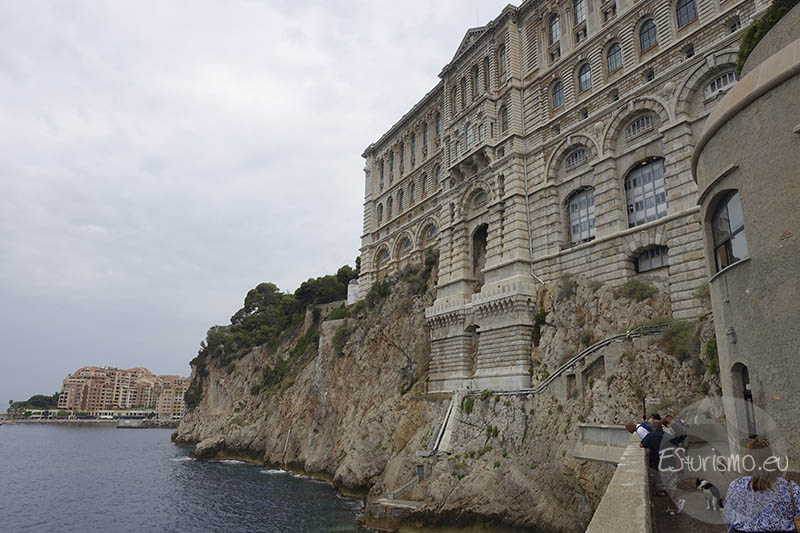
72 478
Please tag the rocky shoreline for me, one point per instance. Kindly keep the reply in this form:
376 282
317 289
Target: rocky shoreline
355 414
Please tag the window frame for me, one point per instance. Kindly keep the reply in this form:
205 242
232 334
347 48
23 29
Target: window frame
640 188
685 7
581 211
617 49
646 24
503 116
726 241
652 252
584 84
579 8
553 29
558 85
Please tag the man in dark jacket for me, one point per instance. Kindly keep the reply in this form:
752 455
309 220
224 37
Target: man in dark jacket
662 458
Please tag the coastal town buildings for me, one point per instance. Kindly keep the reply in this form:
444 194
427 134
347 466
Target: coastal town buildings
93 389
557 142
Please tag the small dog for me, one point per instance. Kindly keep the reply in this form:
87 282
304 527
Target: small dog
711 494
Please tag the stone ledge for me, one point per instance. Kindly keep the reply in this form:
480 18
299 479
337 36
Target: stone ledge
625 507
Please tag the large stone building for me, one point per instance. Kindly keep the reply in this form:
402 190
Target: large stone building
557 141
746 164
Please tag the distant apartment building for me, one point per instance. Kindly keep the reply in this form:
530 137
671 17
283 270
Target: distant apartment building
92 389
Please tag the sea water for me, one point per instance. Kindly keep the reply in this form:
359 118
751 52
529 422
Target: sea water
87 478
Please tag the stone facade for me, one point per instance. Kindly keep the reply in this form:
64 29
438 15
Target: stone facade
514 166
746 165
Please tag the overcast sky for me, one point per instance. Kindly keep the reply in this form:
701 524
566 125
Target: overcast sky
158 159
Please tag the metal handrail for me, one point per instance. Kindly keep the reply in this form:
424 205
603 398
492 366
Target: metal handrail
641 331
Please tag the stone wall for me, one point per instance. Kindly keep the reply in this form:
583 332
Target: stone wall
503 159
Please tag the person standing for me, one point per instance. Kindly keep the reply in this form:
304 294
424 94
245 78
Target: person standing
764 501
663 459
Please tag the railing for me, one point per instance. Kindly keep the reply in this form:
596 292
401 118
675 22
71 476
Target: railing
641 331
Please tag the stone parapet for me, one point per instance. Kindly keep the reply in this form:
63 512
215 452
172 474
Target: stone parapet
625 507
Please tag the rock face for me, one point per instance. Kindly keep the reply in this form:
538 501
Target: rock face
355 412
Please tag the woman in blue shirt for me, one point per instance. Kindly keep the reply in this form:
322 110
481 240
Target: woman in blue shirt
763 502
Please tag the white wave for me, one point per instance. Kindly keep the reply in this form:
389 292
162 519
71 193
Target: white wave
230 462
274 471
185 458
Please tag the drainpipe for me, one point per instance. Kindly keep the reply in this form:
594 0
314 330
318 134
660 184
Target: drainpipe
525 165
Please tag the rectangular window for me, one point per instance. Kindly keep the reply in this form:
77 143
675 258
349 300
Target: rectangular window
425 134
469 136
480 132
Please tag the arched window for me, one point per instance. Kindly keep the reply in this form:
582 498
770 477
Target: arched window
479 199
727 226
686 11
555 31
614 57
429 232
580 11
380 213
558 95
400 200
638 126
645 192
584 77
486 74
475 82
504 119
577 157
652 258
501 61
463 93
383 258
389 207
425 184
405 245
720 83
647 35
581 216
412 193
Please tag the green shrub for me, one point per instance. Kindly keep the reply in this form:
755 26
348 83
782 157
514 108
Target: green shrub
358 307
681 339
483 451
594 285
703 292
377 293
713 356
541 317
340 339
193 393
255 389
496 464
485 393
467 405
338 313
567 286
586 337
756 32
633 289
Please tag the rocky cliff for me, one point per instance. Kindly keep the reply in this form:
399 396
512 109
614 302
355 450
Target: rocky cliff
352 408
